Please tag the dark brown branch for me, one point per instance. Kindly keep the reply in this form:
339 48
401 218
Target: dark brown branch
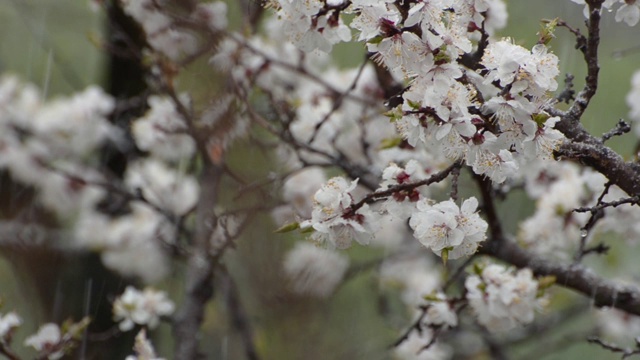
337 102
7 352
416 326
626 352
621 128
603 292
593 153
375 196
238 315
591 58
199 276
603 205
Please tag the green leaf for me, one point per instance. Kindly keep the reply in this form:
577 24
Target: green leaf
546 33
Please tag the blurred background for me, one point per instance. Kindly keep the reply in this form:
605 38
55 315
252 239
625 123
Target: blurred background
52 44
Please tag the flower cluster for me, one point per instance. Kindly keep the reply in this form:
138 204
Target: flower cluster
629 11
160 26
334 219
8 323
448 230
502 298
53 341
143 348
48 341
135 307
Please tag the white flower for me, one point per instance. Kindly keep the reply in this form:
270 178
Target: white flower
8 323
629 12
440 313
213 14
332 217
47 341
415 275
141 308
633 101
163 186
503 299
498 166
532 72
411 128
369 19
75 125
413 348
399 204
299 188
445 226
308 33
607 4
314 270
143 348
162 131
545 142
161 34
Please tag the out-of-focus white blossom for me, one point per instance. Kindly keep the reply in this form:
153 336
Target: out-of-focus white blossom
415 276
447 227
214 14
8 323
554 229
633 101
309 30
162 186
161 33
618 324
629 12
440 313
413 348
143 348
135 307
501 298
130 244
299 188
47 341
162 131
77 124
313 270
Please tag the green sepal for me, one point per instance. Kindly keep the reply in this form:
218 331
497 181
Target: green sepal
390 143
433 297
307 230
546 282
288 228
540 118
445 255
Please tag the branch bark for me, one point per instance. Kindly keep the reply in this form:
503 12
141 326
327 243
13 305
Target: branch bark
602 292
199 277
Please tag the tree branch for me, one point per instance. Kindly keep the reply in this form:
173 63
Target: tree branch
602 292
199 277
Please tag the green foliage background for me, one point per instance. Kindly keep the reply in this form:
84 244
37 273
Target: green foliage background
48 43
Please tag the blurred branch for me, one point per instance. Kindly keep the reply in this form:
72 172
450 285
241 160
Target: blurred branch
199 274
239 317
